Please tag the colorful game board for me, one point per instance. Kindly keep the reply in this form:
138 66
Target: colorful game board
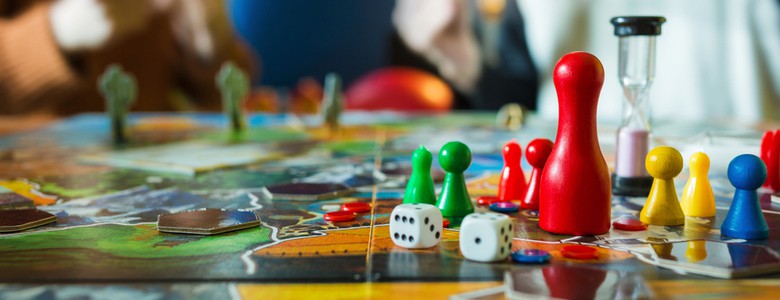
107 209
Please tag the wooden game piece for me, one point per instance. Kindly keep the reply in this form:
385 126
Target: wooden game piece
766 144
510 117
357 207
664 250
629 224
774 149
662 207
575 192
530 256
696 251
698 200
332 102
512 185
770 154
454 201
23 219
745 219
234 86
340 216
536 153
504 207
570 281
487 200
420 188
207 221
445 223
119 90
579 252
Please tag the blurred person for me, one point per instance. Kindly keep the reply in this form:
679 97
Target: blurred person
53 52
478 47
716 59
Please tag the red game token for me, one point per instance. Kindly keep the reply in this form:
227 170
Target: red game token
486 200
358 207
340 216
629 224
579 252
446 223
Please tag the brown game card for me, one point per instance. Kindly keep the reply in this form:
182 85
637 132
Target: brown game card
23 219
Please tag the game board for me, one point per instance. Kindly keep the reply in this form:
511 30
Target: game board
106 229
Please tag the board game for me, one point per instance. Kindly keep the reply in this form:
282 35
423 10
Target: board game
107 200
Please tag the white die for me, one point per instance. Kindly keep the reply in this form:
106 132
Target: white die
416 226
486 237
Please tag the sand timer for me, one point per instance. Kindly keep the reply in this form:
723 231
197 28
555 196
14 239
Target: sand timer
636 70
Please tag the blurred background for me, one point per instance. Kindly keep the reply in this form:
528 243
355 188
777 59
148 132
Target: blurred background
716 59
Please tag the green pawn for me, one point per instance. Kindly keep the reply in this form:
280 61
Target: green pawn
332 102
233 83
420 186
120 90
454 201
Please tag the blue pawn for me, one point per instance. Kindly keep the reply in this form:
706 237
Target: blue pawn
742 255
745 220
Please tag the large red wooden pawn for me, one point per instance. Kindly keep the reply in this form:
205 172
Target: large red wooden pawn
536 153
512 184
775 150
770 154
575 196
766 142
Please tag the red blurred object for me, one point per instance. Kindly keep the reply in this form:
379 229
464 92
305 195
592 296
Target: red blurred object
770 154
400 89
357 207
487 200
306 97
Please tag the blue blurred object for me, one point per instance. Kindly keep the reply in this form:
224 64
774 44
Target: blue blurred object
745 220
530 256
504 207
298 38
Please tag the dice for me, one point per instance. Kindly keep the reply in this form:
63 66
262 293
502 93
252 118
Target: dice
486 237
416 225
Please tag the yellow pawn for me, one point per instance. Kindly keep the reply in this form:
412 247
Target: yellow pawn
696 251
697 197
662 207
664 250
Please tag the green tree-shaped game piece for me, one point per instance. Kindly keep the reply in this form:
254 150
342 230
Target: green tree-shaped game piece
120 90
454 201
420 186
332 101
234 86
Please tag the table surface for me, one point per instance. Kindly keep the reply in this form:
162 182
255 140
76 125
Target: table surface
105 242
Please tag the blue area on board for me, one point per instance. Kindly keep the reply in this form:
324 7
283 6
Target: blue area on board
92 129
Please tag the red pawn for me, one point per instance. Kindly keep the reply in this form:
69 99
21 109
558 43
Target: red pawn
536 153
512 184
575 196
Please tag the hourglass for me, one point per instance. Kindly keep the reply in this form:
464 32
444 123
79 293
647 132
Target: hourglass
636 70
